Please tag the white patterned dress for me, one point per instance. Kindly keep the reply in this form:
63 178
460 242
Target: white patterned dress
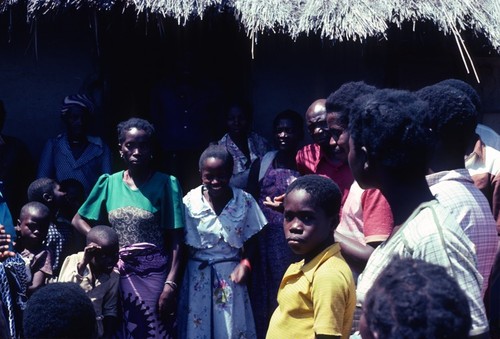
211 305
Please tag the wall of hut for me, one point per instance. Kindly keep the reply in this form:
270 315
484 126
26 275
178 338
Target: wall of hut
119 58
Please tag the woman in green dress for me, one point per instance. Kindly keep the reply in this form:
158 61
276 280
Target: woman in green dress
145 208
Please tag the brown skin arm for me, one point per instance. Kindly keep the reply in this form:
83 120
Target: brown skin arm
354 253
80 224
37 282
167 304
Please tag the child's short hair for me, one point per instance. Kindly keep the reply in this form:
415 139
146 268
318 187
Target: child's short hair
59 310
217 152
323 191
102 233
415 299
342 99
34 206
451 114
140 124
386 123
39 187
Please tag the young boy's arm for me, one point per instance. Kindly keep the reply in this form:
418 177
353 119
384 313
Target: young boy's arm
41 270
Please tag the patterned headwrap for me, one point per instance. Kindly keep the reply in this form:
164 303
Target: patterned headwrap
77 100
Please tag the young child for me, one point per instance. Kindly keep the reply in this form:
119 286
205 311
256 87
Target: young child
93 270
317 296
60 237
220 220
32 228
412 298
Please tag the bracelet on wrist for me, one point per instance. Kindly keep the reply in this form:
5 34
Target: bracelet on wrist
246 262
171 284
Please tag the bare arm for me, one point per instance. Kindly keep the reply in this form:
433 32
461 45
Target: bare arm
80 224
355 254
175 251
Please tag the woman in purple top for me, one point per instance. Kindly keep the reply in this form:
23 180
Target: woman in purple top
270 177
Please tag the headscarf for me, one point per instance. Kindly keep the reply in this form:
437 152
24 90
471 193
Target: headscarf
81 100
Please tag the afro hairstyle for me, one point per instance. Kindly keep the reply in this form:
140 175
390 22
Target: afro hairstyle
415 299
342 99
141 124
386 123
466 88
59 310
217 152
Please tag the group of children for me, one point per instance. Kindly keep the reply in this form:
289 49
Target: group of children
389 140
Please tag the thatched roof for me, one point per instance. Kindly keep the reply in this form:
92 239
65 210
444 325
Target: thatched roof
336 20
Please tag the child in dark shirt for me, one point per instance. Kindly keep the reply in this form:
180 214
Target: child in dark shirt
32 228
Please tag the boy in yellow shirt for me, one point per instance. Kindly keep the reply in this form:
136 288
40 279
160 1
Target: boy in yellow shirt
317 296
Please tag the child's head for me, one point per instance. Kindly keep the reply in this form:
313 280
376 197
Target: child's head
387 139
47 191
135 139
60 310
106 257
415 299
288 130
33 224
311 214
451 115
75 195
216 168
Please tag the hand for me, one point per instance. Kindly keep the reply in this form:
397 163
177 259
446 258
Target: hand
5 241
240 274
275 204
167 303
88 253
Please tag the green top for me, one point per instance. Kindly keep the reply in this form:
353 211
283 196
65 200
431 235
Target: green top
138 215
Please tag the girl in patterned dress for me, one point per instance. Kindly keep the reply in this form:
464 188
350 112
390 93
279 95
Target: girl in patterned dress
220 220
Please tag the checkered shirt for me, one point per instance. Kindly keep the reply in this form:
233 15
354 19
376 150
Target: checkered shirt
432 234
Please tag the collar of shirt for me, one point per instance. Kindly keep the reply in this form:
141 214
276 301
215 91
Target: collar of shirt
312 266
460 174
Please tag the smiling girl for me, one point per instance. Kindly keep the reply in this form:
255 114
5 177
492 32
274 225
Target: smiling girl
220 220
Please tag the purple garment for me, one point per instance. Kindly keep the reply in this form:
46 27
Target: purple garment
274 256
143 270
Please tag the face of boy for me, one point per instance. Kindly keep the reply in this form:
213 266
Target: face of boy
105 258
215 176
34 226
308 230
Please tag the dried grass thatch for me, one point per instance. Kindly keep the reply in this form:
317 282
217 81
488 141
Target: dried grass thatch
336 20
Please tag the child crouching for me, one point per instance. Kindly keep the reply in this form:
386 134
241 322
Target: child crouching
316 298
93 270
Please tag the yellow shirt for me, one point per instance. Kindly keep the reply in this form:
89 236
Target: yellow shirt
316 298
